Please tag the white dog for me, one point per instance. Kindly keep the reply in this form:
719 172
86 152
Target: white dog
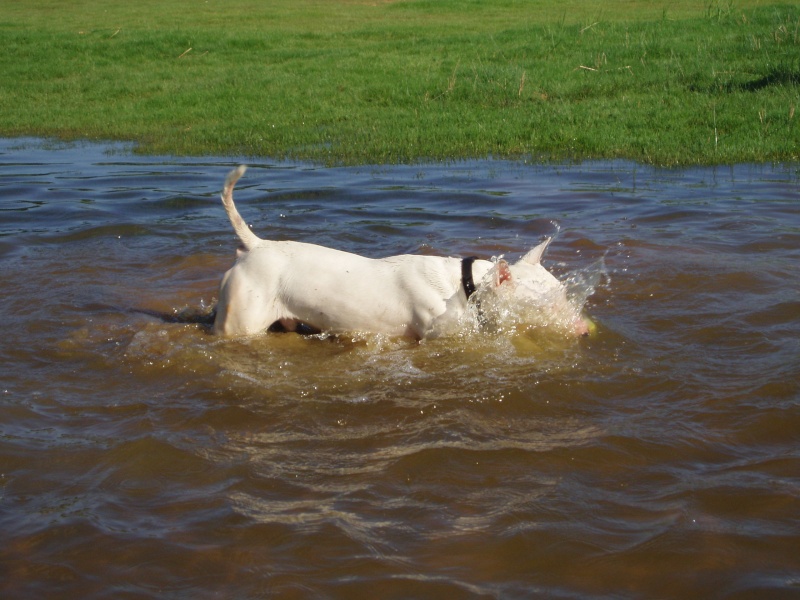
296 286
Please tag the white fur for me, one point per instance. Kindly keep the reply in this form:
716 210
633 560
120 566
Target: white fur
295 283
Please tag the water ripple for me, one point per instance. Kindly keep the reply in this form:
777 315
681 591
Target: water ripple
140 456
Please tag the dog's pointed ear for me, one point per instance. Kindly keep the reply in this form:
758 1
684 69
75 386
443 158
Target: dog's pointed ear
534 256
503 273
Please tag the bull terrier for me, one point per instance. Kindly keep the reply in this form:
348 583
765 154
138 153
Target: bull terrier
295 286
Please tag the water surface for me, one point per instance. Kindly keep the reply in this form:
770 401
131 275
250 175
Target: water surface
141 458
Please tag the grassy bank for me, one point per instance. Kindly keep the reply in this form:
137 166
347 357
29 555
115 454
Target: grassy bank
355 82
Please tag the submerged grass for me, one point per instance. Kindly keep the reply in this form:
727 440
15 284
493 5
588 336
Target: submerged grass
341 81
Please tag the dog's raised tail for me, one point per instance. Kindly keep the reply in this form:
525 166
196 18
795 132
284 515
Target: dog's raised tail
248 238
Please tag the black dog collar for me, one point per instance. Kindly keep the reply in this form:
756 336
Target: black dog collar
466 275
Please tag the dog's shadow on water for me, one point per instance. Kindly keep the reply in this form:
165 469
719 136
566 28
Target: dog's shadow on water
186 316
204 318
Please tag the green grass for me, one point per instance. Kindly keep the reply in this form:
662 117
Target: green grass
356 82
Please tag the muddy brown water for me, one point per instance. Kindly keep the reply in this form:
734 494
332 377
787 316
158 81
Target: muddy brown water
142 458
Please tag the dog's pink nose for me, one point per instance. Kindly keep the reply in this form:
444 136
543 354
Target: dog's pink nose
583 326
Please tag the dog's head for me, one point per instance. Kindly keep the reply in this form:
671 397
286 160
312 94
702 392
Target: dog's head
534 294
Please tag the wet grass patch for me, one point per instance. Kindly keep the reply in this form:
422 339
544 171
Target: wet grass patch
346 82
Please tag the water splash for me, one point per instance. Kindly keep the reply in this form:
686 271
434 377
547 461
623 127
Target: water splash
581 284
555 313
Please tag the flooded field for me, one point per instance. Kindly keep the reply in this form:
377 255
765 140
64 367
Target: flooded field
142 457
